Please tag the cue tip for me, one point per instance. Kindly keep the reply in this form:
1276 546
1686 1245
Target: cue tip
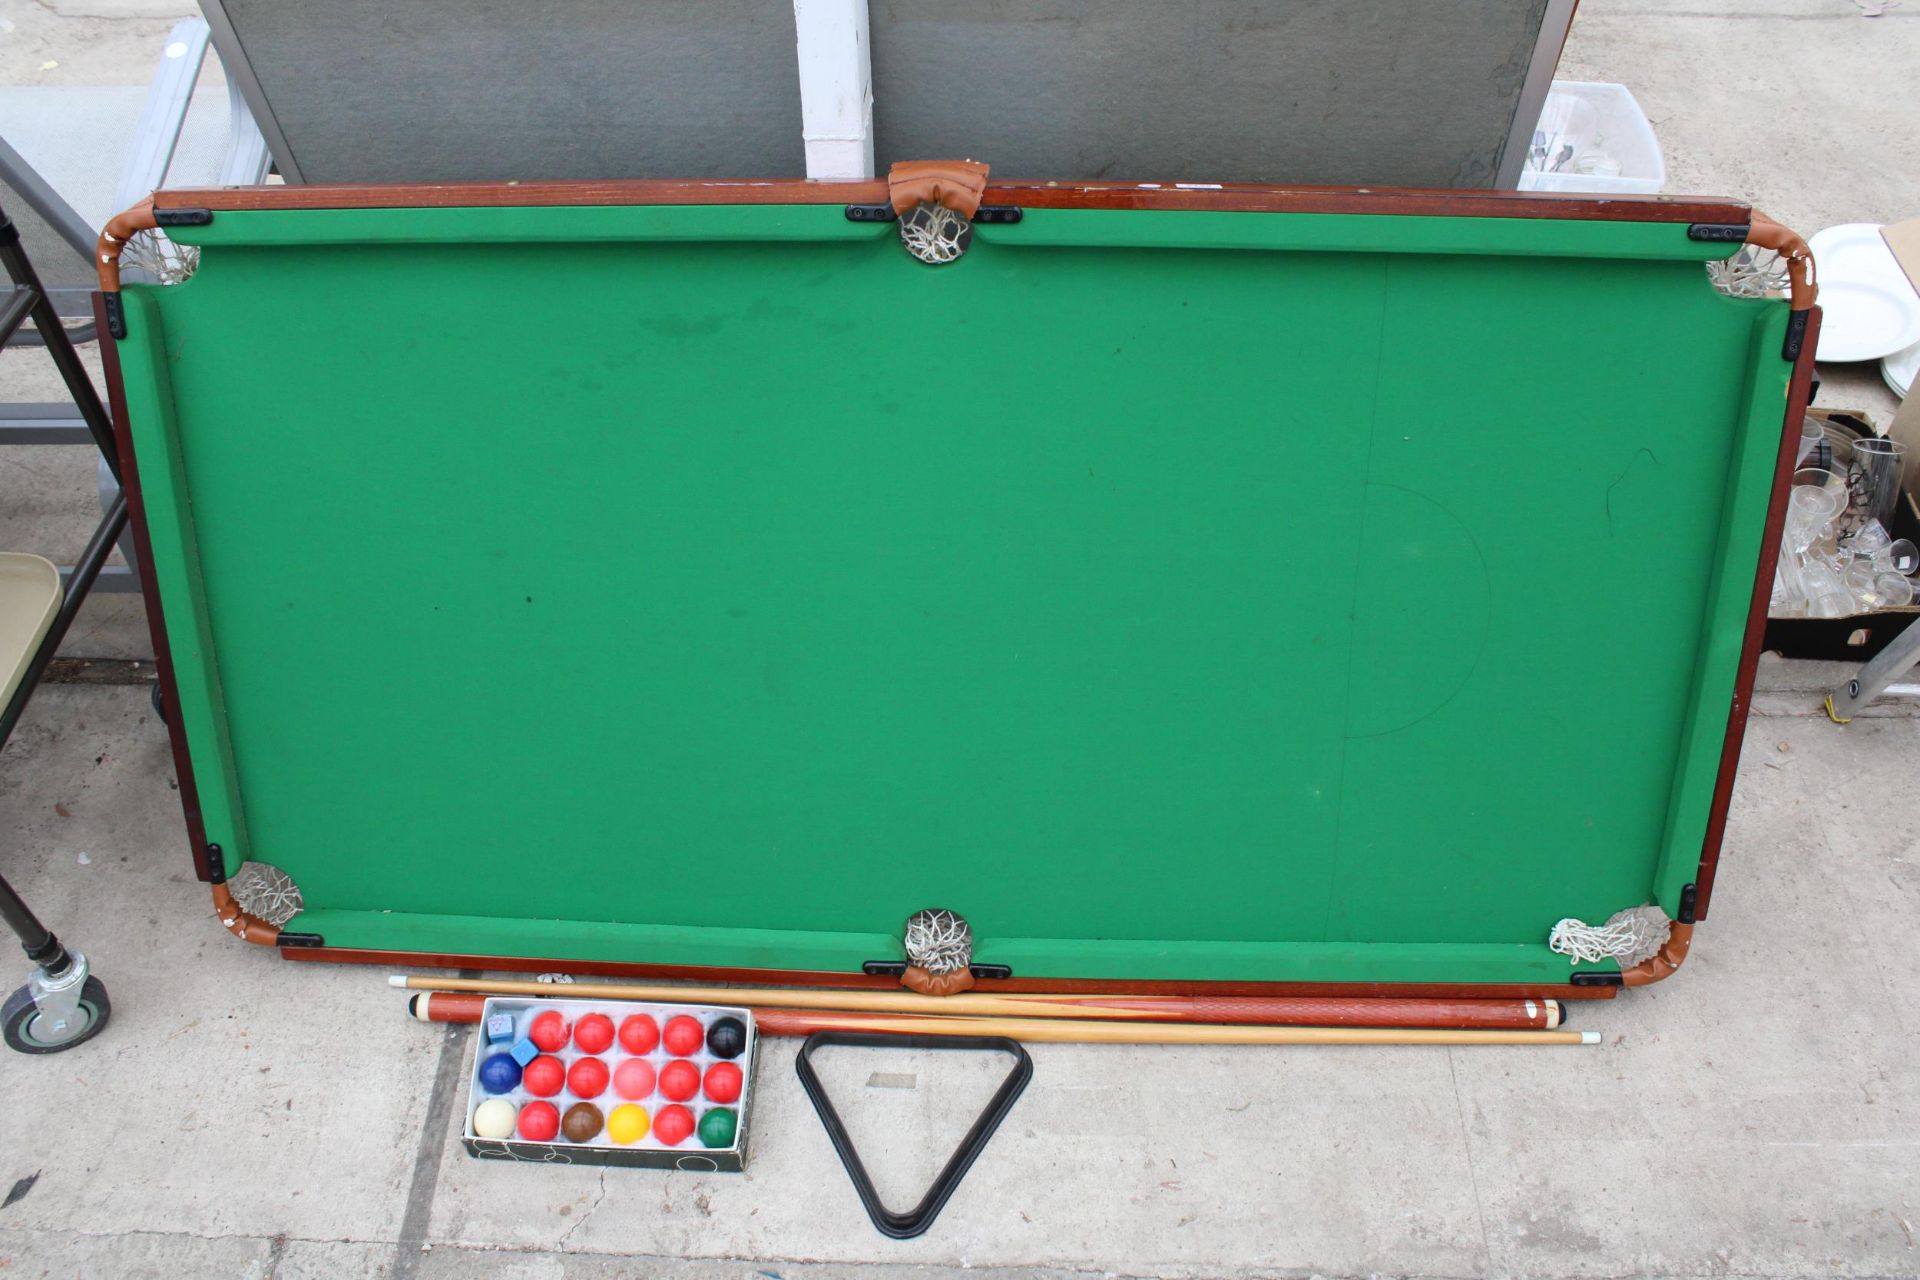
396 979
1589 1037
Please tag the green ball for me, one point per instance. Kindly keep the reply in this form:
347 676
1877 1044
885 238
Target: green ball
717 1127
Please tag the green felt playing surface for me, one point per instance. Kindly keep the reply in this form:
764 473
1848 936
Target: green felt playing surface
1178 595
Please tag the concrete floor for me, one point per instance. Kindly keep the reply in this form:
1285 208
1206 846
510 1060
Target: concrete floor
1757 1115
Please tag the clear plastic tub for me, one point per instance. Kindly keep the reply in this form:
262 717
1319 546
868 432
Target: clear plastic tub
1593 137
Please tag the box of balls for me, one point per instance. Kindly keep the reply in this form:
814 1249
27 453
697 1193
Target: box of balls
657 1086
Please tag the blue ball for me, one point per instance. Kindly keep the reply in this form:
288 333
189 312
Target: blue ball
499 1073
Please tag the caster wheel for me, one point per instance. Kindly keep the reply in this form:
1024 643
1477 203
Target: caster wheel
20 1015
159 703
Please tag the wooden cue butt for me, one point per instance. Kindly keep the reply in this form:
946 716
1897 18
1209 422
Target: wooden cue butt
446 1006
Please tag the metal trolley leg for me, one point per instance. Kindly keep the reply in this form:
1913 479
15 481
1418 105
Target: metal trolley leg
1878 676
61 1004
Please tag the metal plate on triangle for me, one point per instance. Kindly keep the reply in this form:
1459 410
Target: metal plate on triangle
912 1222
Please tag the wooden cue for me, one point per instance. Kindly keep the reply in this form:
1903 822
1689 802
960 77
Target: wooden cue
445 1006
1070 1031
1339 1011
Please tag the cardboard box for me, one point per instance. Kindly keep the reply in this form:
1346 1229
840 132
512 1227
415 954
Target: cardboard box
648 1152
1859 636
1904 239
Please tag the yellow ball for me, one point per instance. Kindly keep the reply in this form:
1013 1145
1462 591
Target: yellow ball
628 1124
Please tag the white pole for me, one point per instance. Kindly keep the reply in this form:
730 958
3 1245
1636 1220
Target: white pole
836 89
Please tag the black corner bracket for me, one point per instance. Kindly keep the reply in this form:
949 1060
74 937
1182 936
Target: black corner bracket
1796 336
1719 232
986 213
182 217
894 968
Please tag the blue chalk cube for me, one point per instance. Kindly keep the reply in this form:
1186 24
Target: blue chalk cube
524 1051
500 1029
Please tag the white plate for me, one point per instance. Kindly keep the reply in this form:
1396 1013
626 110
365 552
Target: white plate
1868 308
1899 369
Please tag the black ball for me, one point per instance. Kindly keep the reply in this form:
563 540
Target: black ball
727 1038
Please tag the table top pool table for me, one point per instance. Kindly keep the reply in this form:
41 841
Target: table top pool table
1193 587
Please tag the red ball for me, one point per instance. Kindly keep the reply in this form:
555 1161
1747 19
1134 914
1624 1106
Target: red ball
633 1079
672 1124
723 1082
549 1032
684 1035
544 1077
639 1033
539 1121
587 1078
679 1080
594 1033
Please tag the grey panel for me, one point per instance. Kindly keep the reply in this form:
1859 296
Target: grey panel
1418 93
373 91
58 264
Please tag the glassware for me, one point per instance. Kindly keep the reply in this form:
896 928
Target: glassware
1829 486
1812 434
1899 556
1827 593
1870 539
1596 162
1816 498
1568 126
1859 578
1873 476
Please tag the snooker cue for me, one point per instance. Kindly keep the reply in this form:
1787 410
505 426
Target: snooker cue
1341 1011
466 1006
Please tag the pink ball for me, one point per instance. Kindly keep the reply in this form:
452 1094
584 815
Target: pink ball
633 1079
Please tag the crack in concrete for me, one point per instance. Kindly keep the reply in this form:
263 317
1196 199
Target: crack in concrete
586 1213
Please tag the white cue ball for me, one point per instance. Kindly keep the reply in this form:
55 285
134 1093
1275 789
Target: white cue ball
494 1118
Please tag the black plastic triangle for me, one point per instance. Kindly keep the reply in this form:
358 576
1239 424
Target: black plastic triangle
904 1226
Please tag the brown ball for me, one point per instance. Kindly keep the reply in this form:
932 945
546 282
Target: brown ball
582 1123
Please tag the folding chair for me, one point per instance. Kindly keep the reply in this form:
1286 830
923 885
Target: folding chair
61 1004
